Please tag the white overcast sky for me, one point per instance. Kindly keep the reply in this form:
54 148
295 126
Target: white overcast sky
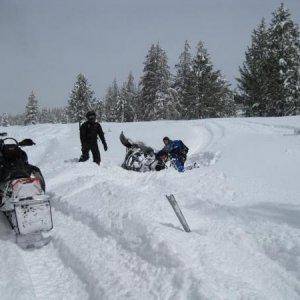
44 44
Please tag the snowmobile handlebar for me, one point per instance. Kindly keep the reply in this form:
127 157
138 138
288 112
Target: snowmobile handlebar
23 143
26 142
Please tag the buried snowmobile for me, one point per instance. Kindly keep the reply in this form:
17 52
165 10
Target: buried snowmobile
142 158
22 195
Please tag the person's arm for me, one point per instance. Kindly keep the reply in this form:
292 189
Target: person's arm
101 136
2 167
185 149
82 131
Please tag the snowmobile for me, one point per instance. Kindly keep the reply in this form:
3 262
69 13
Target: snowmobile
22 195
141 158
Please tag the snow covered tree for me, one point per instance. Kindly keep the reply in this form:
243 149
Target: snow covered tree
155 84
183 83
81 100
166 105
58 115
18 119
45 116
62 114
4 120
254 74
127 106
99 109
121 106
110 103
284 85
210 96
270 78
31 110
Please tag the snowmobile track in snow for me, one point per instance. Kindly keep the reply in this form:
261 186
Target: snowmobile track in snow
140 251
99 274
92 221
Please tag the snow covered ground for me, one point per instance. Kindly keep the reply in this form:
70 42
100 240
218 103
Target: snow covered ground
115 235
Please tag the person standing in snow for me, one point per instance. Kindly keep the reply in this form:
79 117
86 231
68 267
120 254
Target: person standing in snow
177 151
89 132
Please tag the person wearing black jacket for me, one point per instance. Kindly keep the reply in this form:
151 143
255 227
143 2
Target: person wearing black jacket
89 132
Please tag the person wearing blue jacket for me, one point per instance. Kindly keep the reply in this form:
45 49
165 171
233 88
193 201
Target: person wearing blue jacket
177 151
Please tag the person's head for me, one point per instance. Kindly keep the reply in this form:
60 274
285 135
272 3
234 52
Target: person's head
166 140
91 116
162 155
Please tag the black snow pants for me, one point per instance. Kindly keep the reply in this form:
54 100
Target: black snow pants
86 148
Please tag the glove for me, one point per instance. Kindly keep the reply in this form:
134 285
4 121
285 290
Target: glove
105 147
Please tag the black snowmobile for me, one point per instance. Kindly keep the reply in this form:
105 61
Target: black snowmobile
141 158
22 194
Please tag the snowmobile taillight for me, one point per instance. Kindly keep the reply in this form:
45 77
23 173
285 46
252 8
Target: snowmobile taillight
25 187
25 181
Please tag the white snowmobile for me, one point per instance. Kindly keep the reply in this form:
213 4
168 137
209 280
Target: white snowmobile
23 199
141 158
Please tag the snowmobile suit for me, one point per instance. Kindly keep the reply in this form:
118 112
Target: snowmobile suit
89 132
177 151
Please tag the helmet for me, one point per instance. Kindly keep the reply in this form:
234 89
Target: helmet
162 155
90 113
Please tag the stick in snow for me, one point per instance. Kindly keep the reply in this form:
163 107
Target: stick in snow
178 212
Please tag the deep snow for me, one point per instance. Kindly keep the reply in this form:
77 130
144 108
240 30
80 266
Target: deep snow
115 235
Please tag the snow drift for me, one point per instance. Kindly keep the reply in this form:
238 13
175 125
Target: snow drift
115 234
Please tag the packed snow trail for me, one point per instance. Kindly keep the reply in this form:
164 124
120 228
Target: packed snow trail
115 235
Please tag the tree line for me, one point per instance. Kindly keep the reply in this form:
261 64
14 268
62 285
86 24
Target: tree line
268 84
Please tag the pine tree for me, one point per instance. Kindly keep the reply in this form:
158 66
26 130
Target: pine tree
45 116
183 81
99 109
58 115
4 120
128 105
270 78
121 107
110 103
155 83
210 96
31 110
254 74
81 100
18 119
284 80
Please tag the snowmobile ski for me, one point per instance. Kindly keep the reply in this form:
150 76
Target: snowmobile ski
32 241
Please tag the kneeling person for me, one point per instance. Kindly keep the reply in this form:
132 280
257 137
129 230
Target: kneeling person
177 151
